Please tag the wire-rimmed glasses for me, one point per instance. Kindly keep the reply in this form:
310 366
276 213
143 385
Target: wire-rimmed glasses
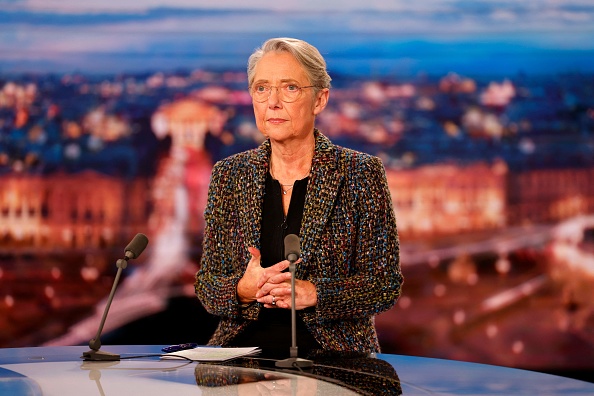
287 92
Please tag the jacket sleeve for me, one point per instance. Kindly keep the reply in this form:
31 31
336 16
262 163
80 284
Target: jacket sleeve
368 278
223 259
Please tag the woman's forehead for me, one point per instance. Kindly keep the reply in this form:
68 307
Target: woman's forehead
278 67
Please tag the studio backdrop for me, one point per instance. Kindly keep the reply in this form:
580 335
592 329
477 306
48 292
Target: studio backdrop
112 114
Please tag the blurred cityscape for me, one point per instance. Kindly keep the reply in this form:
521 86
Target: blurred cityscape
491 181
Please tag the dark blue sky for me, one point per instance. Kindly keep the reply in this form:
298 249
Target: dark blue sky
372 37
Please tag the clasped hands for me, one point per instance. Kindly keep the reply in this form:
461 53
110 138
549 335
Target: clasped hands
272 287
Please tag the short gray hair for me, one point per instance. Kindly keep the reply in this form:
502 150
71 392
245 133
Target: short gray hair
306 54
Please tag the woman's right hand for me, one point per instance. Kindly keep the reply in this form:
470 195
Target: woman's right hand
248 285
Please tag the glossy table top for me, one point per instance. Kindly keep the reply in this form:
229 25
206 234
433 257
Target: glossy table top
61 371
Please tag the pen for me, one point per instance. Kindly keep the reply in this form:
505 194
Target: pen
179 347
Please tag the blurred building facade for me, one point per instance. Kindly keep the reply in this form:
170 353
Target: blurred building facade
83 211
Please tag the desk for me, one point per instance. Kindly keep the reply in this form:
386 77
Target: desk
60 371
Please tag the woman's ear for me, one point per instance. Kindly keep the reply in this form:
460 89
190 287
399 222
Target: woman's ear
321 100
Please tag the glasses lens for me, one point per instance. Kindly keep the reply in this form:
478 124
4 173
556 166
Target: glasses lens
288 93
259 93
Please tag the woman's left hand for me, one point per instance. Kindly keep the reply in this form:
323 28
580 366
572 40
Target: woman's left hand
275 292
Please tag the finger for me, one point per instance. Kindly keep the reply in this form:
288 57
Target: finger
269 301
272 271
280 266
273 279
279 279
282 304
281 288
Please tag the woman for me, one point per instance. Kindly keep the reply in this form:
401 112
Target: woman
297 182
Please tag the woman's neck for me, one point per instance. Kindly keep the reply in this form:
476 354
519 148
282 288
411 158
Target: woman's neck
288 165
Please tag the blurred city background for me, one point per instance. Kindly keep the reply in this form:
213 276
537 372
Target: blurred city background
113 113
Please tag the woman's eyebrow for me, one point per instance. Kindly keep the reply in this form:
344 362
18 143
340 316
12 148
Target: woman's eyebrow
284 80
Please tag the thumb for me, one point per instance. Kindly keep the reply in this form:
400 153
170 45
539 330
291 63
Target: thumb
255 252
255 256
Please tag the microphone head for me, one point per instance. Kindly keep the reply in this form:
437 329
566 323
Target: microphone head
136 246
292 249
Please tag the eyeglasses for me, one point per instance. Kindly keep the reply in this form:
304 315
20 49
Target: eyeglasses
287 92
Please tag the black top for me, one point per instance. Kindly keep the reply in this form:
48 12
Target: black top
272 331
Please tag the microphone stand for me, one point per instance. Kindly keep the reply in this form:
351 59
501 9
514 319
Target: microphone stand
94 353
293 361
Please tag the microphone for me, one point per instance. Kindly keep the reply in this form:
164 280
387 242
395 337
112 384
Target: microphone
136 246
292 253
132 251
292 249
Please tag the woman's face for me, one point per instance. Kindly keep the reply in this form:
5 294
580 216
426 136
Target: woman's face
278 120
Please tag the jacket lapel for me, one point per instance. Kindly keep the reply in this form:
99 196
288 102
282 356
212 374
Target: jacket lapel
251 187
325 180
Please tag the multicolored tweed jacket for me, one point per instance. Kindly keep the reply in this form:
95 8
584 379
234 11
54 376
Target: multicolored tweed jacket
349 244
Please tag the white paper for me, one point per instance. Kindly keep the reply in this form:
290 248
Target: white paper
209 354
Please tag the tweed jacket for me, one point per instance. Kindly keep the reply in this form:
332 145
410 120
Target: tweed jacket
349 244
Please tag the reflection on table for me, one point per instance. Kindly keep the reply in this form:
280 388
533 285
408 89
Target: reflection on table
141 371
